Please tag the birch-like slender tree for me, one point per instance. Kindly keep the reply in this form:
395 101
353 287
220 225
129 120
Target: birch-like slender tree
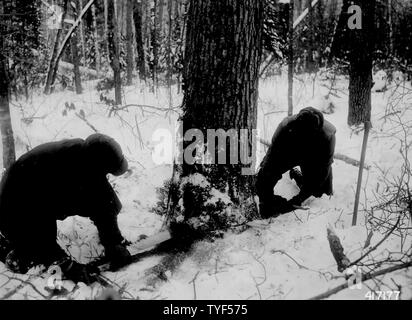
53 64
138 26
7 138
97 55
114 49
129 42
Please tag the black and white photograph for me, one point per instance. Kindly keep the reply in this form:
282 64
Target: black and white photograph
206 150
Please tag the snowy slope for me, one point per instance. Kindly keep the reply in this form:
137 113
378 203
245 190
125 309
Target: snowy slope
283 258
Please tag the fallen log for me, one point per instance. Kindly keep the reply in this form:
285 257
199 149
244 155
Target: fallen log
337 249
337 156
349 160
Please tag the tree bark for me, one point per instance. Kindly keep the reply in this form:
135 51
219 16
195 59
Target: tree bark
390 27
53 65
114 50
155 42
9 155
129 42
138 26
169 72
222 58
79 8
360 70
290 60
181 7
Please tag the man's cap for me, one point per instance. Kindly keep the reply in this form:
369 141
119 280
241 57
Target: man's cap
106 153
310 117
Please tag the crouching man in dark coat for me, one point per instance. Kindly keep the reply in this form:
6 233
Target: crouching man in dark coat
306 140
51 182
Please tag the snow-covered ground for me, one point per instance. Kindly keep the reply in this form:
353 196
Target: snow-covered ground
284 258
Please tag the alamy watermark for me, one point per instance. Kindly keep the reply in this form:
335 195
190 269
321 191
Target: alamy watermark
355 20
211 146
354 277
54 280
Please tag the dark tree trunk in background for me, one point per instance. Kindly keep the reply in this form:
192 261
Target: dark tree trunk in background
53 65
96 40
160 17
390 27
168 49
311 38
114 49
74 41
129 42
106 25
339 45
138 26
222 59
79 7
155 42
76 63
361 59
9 155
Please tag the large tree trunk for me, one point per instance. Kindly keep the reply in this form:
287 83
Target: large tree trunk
114 49
7 138
390 27
222 58
361 60
53 65
183 5
138 26
290 59
360 81
168 51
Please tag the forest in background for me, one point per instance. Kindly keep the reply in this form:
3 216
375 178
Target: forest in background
52 47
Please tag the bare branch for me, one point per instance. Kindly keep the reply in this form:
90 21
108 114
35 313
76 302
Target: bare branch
365 277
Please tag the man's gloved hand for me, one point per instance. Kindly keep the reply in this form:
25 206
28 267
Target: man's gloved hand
118 255
77 272
292 204
271 207
285 207
278 205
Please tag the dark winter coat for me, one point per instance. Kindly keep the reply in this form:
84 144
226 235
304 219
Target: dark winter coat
293 146
56 180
